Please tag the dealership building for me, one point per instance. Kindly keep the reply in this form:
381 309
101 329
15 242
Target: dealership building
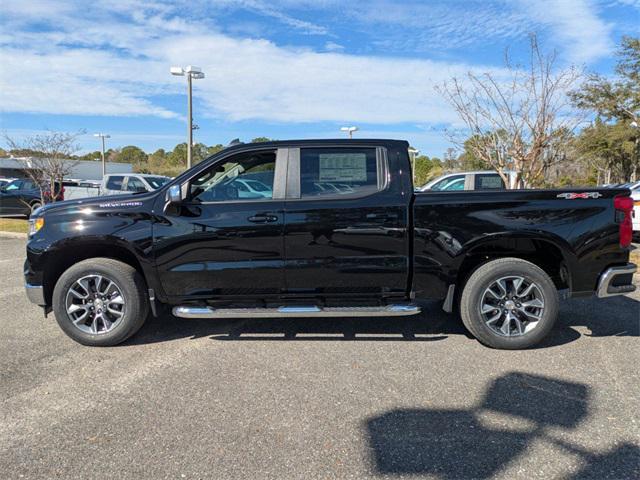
80 169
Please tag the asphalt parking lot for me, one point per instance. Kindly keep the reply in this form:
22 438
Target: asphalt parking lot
337 398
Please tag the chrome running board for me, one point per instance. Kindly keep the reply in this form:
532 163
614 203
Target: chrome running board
297 311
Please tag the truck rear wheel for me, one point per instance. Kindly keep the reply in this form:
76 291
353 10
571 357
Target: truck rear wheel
509 303
100 302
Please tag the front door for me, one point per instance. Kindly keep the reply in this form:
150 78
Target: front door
346 228
12 200
226 238
10 203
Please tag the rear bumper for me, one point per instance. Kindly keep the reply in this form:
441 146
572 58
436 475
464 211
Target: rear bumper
616 281
35 294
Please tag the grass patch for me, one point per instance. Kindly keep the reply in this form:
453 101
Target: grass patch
14 225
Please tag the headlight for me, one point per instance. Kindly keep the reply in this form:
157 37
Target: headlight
35 224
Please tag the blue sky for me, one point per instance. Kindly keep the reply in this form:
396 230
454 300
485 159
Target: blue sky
281 69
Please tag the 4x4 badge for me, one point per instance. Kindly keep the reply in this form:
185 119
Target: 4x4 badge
572 195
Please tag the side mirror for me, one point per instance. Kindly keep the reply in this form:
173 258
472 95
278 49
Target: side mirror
174 194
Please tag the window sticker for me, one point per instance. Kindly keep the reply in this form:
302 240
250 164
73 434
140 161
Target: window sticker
344 167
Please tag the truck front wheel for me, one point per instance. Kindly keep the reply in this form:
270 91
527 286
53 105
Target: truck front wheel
100 302
509 303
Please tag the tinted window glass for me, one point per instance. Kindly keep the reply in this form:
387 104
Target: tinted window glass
14 185
246 176
489 181
454 185
447 183
135 185
156 182
115 182
338 171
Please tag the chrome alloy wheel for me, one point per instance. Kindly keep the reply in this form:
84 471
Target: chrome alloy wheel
95 304
512 306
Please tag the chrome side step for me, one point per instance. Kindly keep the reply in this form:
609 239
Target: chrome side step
297 311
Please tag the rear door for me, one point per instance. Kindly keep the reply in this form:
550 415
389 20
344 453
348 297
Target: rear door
135 184
114 185
345 230
488 181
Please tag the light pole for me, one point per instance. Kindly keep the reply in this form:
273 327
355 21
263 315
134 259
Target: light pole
190 72
635 125
413 152
349 130
102 137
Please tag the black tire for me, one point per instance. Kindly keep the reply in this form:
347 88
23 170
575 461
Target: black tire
482 278
133 290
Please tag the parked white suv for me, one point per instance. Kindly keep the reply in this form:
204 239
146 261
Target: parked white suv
115 183
480 180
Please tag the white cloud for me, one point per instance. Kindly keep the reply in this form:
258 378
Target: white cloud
95 63
80 82
249 79
333 47
110 68
268 9
576 23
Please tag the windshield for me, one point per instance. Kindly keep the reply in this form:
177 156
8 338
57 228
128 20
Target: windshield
450 183
157 182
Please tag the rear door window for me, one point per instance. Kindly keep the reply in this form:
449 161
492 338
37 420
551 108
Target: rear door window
135 185
339 171
488 181
115 182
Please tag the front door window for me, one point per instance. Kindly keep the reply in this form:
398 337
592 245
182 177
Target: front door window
244 177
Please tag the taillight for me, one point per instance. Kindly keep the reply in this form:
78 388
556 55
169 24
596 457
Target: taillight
624 207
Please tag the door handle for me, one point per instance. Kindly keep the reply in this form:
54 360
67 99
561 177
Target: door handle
263 218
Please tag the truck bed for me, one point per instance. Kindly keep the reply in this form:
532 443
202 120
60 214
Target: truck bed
575 231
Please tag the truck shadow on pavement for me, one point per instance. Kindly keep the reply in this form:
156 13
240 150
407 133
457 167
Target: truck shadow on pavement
517 410
619 316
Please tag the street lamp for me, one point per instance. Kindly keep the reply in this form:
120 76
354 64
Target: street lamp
102 137
350 130
190 72
413 152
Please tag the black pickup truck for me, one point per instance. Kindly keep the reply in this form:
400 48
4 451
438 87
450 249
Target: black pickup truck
325 228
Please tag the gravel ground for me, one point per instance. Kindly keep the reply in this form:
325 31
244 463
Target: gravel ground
336 398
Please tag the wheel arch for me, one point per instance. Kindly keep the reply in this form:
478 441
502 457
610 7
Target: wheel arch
552 254
61 258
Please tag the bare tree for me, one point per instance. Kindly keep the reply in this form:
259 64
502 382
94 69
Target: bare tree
49 160
520 120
